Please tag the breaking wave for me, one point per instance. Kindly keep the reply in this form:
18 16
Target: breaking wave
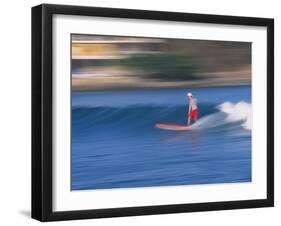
229 113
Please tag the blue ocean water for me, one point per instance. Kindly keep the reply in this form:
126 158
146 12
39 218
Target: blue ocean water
115 143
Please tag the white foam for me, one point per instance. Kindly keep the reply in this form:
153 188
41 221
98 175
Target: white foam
210 121
241 111
228 113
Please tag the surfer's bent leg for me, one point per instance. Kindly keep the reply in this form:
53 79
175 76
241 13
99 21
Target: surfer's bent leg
196 115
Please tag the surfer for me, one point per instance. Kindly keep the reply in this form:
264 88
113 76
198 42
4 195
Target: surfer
193 112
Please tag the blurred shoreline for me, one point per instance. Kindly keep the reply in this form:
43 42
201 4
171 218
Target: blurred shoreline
234 78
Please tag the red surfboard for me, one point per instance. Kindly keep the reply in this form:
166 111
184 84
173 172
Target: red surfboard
172 127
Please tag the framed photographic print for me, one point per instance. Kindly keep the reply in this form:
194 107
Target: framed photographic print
146 112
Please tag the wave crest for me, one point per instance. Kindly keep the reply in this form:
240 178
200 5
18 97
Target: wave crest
241 111
146 116
228 113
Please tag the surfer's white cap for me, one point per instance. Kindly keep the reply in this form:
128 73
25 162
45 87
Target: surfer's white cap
189 94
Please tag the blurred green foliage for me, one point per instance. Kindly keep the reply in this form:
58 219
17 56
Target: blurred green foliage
162 66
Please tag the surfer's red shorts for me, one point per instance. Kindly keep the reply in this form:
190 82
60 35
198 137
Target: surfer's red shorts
194 114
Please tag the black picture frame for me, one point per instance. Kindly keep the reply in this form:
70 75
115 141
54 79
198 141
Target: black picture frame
42 107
